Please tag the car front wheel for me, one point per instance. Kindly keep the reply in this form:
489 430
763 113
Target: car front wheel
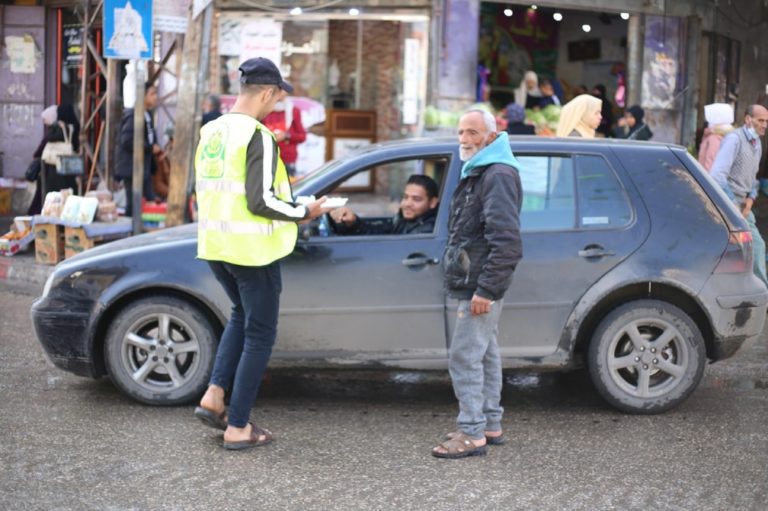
646 357
160 350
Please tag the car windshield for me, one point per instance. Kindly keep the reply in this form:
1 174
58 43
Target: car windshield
306 180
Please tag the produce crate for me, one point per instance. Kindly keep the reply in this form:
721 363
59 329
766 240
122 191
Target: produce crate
6 201
49 243
77 239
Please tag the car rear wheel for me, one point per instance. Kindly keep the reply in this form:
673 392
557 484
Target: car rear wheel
160 350
646 357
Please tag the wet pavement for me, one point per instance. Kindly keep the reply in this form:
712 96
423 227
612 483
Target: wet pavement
350 440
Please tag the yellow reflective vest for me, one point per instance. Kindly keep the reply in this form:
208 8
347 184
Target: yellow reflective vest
227 230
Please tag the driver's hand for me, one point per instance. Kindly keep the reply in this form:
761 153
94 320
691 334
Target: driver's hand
343 215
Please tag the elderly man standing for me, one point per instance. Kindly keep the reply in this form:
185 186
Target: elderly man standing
484 247
735 170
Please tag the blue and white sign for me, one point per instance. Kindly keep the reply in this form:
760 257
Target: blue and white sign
128 29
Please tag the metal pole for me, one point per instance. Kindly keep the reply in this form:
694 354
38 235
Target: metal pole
138 148
691 98
635 44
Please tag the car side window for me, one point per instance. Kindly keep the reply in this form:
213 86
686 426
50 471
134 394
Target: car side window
549 202
375 195
602 201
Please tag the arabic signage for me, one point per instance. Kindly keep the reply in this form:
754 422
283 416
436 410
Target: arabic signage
171 15
128 29
510 46
72 43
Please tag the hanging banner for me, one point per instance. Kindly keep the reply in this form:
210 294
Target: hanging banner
170 16
262 38
128 29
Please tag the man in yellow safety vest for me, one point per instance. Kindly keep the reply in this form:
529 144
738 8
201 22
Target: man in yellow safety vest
247 222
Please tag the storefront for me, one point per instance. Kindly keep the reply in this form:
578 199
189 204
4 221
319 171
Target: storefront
364 72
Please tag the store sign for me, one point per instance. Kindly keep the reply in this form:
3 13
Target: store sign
262 38
128 29
411 82
72 43
171 15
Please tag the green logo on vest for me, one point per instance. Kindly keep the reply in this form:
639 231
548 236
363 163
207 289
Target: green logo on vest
212 154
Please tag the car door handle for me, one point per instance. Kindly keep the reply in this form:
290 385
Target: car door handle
419 260
594 251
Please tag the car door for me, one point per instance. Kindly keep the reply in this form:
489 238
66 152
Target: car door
360 299
578 221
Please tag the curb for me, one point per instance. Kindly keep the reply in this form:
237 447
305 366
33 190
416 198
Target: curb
22 268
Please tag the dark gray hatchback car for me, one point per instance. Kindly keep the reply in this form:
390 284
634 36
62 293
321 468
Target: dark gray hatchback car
635 263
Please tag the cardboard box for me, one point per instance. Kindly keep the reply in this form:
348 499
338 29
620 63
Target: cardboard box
49 243
77 239
6 201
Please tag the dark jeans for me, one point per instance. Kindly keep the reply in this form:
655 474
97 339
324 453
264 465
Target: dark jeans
247 341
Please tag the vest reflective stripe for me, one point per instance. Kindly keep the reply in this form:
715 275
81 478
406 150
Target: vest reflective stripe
241 227
204 185
227 230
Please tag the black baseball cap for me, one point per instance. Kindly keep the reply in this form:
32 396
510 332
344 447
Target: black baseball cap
263 72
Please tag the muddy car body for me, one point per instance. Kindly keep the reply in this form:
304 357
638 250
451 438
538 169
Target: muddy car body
635 263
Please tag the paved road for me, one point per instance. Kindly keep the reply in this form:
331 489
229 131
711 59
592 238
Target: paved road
348 443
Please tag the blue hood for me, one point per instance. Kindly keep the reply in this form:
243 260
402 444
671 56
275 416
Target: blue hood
497 151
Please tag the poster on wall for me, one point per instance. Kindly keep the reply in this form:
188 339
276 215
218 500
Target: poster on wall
262 38
661 63
21 53
128 29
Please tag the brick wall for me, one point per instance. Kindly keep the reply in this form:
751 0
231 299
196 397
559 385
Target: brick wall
380 85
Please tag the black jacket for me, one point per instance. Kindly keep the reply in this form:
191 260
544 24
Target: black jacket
396 225
484 244
124 152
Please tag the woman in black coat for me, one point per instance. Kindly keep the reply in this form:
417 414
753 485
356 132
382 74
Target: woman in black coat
49 180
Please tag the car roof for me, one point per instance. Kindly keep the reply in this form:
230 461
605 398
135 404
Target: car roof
444 143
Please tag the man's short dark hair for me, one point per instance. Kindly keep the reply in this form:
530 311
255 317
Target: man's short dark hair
425 182
254 89
147 85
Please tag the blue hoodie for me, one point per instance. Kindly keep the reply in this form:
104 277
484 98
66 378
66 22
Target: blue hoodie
497 151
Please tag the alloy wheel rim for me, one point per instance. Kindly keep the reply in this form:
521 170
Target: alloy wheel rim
648 358
160 352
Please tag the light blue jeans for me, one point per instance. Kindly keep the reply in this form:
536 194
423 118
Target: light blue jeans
758 248
475 368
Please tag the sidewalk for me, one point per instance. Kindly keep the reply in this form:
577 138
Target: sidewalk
22 268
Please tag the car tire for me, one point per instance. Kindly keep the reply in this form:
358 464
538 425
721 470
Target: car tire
646 357
159 368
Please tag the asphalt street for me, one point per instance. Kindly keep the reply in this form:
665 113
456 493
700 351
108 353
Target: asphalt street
349 442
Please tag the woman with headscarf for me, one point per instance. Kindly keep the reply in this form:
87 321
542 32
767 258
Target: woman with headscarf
607 110
632 126
516 121
719 118
527 94
580 117
49 180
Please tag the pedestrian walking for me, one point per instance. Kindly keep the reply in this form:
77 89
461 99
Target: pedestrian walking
580 117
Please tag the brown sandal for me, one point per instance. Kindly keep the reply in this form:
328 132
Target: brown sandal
254 441
459 446
490 440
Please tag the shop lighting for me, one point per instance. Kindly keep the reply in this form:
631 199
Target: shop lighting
508 13
558 16
586 28
534 7
354 12
295 11
624 15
